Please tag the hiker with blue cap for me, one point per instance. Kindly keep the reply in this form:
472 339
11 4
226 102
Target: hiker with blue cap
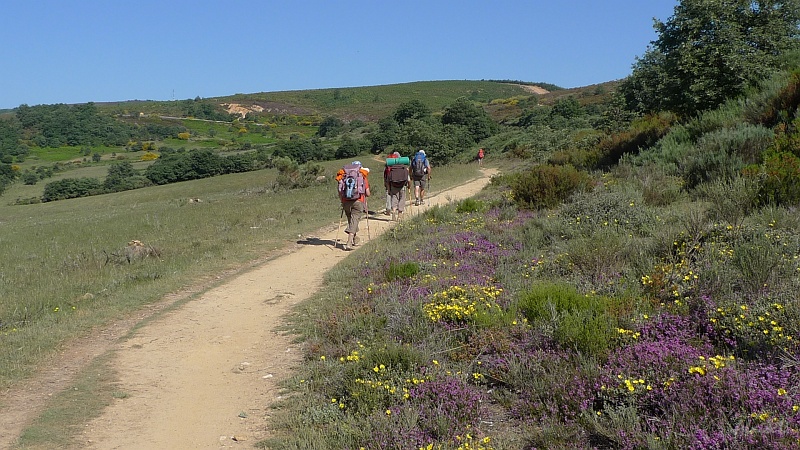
420 175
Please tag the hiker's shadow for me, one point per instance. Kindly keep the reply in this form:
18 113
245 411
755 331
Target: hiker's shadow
379 217
316 241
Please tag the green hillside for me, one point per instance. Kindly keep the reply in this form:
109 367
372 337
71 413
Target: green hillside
366 103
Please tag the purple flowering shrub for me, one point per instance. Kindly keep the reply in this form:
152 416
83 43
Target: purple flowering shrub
465 326
682 390
446 407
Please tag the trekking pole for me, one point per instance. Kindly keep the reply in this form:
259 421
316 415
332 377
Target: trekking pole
429 186
336 242
410 203
366 206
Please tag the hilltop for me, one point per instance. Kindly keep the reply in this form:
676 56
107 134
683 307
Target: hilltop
368 103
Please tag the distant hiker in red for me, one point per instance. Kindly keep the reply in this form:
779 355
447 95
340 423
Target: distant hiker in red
480 157
353 191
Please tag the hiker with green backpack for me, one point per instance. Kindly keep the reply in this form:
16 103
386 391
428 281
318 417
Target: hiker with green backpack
396 179
353 187
420 175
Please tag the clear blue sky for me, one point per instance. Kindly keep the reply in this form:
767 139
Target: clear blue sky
77 51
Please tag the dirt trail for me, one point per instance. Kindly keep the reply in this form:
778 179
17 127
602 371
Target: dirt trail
202 376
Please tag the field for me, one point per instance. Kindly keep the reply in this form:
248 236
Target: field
67 266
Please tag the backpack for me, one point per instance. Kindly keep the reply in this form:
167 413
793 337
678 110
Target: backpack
398 175
352 185
418 166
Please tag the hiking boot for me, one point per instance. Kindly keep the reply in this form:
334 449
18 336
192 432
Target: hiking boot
422 202
416 203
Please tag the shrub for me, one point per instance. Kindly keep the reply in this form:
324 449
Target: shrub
71 188
730 200
578 321
701 166
777 101
779 178
643 133
546 186
470 205
397 271
617 206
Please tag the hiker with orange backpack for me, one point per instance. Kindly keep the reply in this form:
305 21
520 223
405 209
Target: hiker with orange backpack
353 186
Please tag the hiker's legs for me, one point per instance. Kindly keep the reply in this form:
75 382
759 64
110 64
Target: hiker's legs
398 200
401 202
423 185
354 212
417 184
357 212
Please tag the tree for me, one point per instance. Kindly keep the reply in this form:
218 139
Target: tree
386 135
709 51
462 112
413 109
568 108
330 127
351 148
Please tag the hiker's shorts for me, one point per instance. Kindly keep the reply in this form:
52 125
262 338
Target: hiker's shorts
354 211
423 183
397 196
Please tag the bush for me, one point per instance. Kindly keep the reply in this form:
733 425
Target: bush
397 271
780 179
470 205
578 321
71 188
643 133
546 186
731 200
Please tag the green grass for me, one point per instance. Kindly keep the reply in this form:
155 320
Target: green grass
83 400
63 271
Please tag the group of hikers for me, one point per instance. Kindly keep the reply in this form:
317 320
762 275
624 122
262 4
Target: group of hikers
399 175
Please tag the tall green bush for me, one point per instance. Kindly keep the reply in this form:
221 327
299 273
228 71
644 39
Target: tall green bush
583 322
546 186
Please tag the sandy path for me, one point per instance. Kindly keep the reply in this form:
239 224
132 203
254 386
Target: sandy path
202 376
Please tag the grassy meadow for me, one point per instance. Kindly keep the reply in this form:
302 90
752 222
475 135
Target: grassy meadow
67 265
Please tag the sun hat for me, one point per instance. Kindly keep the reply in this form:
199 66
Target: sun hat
395 155
421 151
356 163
